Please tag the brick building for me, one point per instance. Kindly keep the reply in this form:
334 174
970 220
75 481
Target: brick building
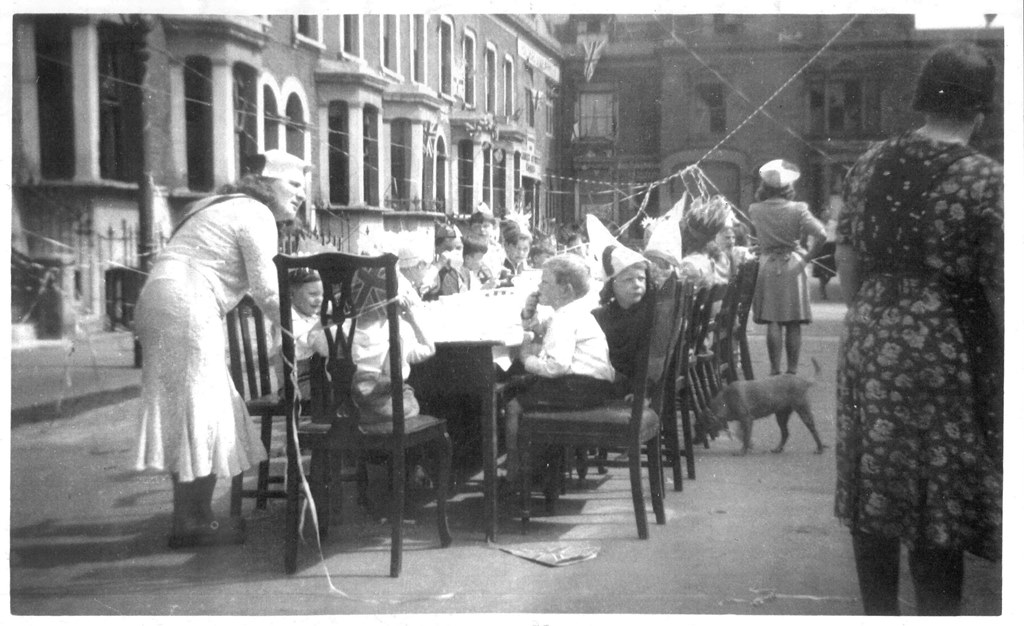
667 91
404 117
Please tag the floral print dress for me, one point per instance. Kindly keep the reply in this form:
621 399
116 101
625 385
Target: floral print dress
914 458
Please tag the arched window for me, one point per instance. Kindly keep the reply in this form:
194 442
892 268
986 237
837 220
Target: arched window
295 127
271 119
337 152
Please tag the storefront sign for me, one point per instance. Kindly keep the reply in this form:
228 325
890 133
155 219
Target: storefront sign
536 59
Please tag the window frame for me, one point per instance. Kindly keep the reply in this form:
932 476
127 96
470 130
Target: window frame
491 79
612 116
343 39
508 73
469 69
421 67
446 90
318 41
395 72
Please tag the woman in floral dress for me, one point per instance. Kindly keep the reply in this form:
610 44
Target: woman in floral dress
919 253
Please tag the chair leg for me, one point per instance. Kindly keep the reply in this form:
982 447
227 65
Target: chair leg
684 413
748 367
263 470
236 494
444 450
291 512
670 430
525 460
636 484
656 478
397 466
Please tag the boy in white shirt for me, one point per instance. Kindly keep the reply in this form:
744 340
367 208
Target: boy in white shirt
570 364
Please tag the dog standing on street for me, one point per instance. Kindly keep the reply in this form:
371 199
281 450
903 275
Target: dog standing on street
746 400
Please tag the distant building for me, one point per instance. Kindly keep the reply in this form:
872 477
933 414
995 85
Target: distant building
667 91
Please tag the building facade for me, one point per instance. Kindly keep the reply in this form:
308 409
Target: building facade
669 91
407 119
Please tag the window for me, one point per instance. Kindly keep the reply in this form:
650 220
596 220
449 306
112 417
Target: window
271 120
120 104
337 152
54 90
440 175
246 118
510 88
295 127
444 43
490 78
488 187
499 181
531 107
469 57
389 43
401 160
549 109
199 123
370 155
711 108
595 115
352 35
417 48
309 28
844 105
465 169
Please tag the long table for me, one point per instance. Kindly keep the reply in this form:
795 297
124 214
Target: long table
465 371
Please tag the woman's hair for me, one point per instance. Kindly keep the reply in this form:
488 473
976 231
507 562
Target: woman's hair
254 186
607 294
957 82
767 192
570 269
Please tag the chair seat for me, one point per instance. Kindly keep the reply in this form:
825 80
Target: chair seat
270 404
338 435
611 420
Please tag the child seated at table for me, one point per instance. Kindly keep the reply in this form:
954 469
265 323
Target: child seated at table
371 385
569 365
307 294
475 274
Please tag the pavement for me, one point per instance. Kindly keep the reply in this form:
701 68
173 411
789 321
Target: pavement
751 536
64 377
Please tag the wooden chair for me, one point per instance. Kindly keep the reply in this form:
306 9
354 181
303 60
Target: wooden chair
745 299
353 286
697 386
670 409
628 424
250 369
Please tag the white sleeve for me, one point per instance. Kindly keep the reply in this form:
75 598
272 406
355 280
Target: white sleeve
555 357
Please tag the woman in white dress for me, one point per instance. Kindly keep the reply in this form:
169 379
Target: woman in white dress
194 423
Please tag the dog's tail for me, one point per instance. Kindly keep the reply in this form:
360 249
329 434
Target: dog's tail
817 369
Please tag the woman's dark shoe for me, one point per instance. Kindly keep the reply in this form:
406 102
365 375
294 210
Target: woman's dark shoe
203 535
